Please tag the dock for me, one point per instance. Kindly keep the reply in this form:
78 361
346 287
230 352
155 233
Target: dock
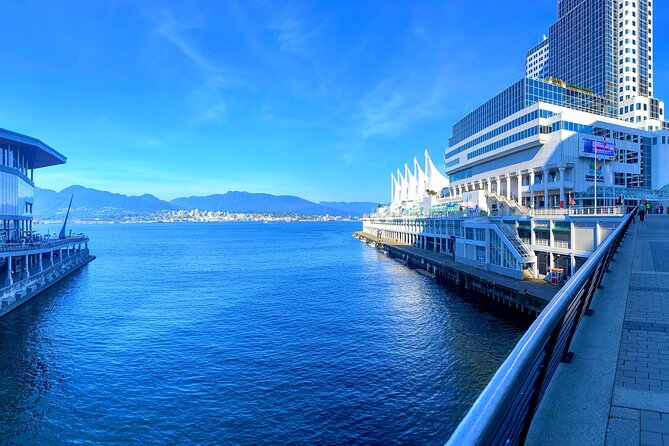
32 268
528 296
616 389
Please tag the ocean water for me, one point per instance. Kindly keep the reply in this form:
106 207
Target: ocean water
243 333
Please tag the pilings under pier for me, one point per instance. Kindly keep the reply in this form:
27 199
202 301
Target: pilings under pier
523 296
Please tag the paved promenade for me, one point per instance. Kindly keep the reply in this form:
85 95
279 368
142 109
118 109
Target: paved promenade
616 390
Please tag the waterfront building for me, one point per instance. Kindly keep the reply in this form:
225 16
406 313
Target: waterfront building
541 173
29 263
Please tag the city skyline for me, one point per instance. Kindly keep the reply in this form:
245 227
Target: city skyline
302 99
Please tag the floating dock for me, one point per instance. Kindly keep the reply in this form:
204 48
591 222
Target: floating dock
528 296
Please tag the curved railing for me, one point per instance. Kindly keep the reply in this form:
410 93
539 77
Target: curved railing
503 411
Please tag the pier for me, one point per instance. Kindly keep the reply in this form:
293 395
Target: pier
30 268
528 296
616 389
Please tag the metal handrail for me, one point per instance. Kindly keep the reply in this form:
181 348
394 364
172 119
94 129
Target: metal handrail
46 243
503 412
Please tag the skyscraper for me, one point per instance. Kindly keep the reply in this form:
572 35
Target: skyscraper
604 46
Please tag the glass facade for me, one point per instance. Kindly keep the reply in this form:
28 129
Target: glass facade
522 94
16 195
583 47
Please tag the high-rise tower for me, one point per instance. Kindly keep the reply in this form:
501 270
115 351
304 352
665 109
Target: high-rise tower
605 46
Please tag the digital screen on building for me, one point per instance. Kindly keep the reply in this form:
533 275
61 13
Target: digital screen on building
600 148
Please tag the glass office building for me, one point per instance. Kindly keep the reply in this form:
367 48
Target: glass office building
20 155
583 46
522 94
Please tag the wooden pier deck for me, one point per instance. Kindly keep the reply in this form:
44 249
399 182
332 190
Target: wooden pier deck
527 296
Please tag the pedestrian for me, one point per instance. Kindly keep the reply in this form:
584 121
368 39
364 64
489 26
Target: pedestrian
642 214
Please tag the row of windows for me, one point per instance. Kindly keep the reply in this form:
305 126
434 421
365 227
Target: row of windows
462 175
571 127
499 130
503 142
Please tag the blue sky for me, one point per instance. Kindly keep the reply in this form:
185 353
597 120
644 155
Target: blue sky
320 99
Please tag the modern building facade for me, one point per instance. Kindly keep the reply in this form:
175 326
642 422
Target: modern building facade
29 263
604 46
20 156
542 172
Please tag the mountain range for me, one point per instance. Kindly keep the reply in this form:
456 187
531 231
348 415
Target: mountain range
93 204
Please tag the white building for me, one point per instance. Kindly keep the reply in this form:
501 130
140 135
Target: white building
542 172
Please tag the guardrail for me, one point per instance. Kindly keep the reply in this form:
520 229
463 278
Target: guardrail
503 412
42 244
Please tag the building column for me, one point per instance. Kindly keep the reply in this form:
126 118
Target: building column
519 197
51 253
41 268
562 201
572 264
488 185
508 187
10 279
531 189
27 265
545 181
499 186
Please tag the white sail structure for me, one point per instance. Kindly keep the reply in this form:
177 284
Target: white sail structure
421 179
414 184
436 180
411 183
402 187
396 189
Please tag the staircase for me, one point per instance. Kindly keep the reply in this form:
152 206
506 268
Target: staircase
525 253
512 204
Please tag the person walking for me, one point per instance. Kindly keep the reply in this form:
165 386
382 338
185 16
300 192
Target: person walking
642 214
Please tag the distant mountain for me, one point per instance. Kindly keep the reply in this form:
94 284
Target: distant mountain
250 202
359 207
90 204
93 204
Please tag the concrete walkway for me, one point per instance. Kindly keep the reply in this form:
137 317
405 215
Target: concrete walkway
616 390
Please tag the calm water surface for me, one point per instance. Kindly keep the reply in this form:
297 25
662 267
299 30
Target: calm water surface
237 333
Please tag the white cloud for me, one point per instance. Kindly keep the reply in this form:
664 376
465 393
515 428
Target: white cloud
392 105
207 97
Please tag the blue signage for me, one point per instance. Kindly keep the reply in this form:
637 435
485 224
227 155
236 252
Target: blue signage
598 149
